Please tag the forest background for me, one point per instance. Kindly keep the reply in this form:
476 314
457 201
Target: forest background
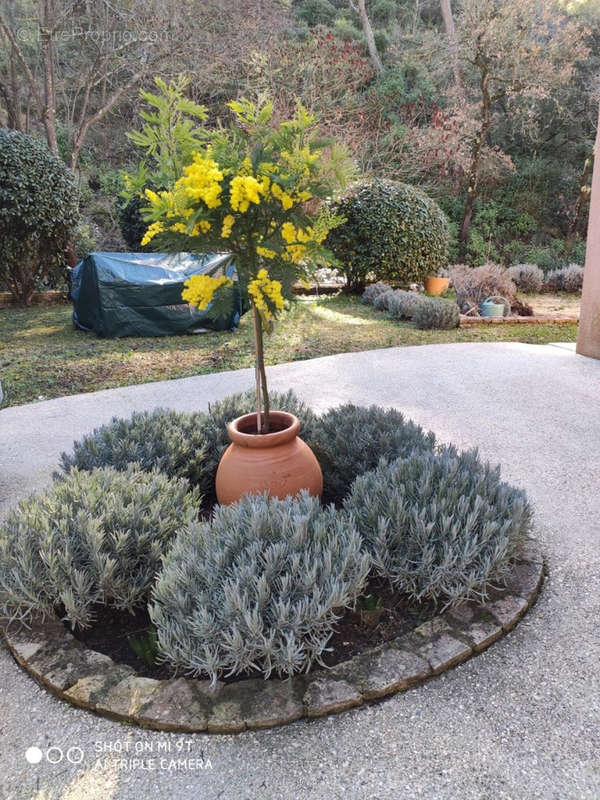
489 106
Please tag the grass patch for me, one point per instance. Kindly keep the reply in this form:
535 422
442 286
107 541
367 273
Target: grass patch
43 356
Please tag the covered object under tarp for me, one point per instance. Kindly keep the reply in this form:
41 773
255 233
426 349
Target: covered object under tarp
139 294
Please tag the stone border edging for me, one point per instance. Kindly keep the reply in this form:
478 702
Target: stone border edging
91 680
469 322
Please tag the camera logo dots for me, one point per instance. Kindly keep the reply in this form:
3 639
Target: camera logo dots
54 755
33 755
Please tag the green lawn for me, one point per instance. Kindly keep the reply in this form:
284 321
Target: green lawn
43 356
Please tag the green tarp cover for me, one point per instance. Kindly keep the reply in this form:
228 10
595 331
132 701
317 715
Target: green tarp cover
139 294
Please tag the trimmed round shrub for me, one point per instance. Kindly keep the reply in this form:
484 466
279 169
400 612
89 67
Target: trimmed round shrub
170 441
38 212
439 526
527 278
392 230
95 537
259 586
350 440
434 312
374 290
185 445
568 279
573 278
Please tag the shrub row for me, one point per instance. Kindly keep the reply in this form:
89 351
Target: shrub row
473 285
426 312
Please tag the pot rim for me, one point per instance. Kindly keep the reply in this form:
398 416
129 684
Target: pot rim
235 430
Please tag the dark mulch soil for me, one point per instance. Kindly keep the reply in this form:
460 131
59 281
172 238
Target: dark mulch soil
109 634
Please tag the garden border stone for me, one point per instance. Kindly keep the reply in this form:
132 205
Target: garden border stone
91 680
542 319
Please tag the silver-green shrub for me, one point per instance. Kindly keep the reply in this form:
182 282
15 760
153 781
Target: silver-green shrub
173 442
373 290
350 440
382 300
258 587
402 305
186 445
439 526
568 279
95 537
434 312
527 278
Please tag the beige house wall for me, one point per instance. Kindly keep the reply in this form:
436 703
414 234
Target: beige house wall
588 339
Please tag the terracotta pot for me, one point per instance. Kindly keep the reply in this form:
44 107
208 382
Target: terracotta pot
436 286
279 462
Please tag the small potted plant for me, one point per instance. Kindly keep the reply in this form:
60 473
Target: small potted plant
254 188
436 285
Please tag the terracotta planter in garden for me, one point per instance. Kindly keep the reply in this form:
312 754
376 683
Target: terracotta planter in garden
436 286
278 462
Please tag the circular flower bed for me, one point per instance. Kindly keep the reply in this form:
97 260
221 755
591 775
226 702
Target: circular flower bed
129 548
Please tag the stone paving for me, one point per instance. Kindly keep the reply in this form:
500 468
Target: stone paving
521 720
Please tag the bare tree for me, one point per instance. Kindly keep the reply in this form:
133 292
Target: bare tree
102 58
82 60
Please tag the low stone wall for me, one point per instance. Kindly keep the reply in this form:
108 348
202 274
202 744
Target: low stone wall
467 322
93 681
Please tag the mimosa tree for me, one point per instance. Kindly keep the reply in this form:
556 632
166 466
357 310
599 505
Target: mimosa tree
252 187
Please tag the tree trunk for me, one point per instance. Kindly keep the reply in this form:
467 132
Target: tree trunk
10 91
17 119
583 196
31 80
262 420
478 145
369 36
451 34
49 83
